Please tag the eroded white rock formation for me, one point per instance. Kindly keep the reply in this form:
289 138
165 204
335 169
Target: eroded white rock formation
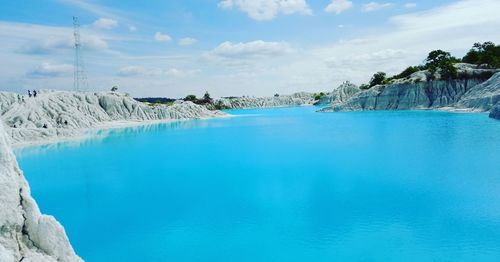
297 99
61 114
483 96
470 92
26 234
340 95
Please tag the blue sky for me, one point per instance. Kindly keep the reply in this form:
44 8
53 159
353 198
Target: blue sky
231 47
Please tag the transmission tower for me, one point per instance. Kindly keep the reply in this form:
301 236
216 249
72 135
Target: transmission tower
80 77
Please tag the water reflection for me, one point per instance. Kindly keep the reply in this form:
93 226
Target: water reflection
96 136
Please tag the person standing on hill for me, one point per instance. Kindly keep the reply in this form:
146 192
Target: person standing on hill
29 93
34 93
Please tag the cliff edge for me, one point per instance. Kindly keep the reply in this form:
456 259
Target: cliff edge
472 92
25 233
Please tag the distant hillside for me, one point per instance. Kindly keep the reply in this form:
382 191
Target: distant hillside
156 100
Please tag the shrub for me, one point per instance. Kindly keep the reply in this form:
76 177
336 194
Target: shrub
407 72
377 79
318 96
220 106
191 98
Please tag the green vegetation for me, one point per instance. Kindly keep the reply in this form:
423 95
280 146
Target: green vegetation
207 97
318 96
156 101
439 59
377 79
486 53
220 106
408 72
114 89
160 103
191 98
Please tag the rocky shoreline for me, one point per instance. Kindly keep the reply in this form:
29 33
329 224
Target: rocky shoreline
62 115
470 93
25 233
297 99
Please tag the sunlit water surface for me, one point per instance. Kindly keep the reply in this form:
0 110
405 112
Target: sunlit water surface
280 185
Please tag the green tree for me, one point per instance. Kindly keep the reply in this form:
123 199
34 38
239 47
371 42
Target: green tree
472 57
191 98
207 97
377 79
439 59
486 53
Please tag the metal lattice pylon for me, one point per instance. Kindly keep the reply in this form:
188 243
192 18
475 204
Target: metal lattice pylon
80 77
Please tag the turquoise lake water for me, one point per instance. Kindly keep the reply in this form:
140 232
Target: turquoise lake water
280 185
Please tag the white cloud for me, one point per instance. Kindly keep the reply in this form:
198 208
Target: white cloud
411 38
338 6
410 5
140 71
257 48
46 46
477 16
92 8
105 23
54 44
160 37
132 71
132 28
179 73
267 9
51 70
40 39
374 6
379 56
187 41
93 42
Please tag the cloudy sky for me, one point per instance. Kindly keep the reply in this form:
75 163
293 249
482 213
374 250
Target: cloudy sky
230 47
